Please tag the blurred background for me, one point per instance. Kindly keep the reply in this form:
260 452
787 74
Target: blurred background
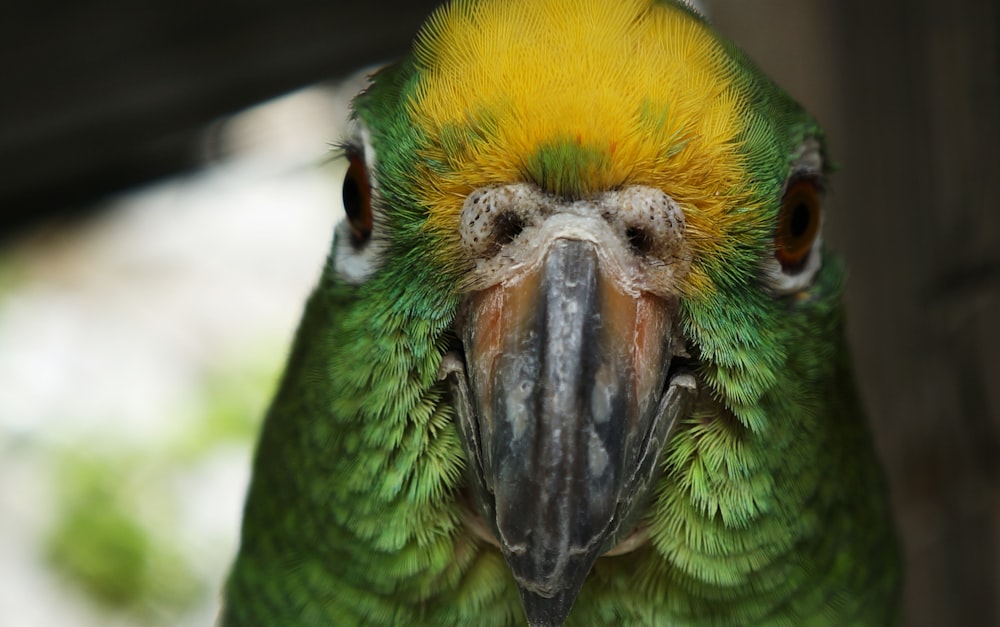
167 198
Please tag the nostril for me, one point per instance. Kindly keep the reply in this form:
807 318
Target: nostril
649 222
494 217
639 240
506 227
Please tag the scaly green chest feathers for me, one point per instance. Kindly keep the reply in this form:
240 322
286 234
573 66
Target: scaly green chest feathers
577 355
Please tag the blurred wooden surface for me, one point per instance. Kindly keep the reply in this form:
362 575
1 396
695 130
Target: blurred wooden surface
909 91
99 95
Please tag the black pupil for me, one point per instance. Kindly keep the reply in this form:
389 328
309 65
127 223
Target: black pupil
352 194
799 224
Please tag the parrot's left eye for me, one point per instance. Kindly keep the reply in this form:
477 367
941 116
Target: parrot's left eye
797 235
798 224
357 195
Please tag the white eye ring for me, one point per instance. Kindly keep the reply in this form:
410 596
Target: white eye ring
807 162
356 263
781 282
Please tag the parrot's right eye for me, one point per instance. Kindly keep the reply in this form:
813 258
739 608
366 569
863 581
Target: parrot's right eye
358 246
357 194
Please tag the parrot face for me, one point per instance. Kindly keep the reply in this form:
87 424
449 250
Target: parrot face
579 311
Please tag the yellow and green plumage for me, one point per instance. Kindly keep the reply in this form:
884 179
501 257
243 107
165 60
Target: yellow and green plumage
769 507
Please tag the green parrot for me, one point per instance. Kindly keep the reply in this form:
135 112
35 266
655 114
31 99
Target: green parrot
577 355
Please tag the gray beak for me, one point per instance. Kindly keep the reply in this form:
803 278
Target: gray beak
565 404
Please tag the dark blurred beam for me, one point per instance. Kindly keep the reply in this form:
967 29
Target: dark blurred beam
100 95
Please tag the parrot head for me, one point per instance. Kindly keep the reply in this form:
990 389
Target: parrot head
610 217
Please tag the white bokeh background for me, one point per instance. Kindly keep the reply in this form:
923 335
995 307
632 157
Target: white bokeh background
121 335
